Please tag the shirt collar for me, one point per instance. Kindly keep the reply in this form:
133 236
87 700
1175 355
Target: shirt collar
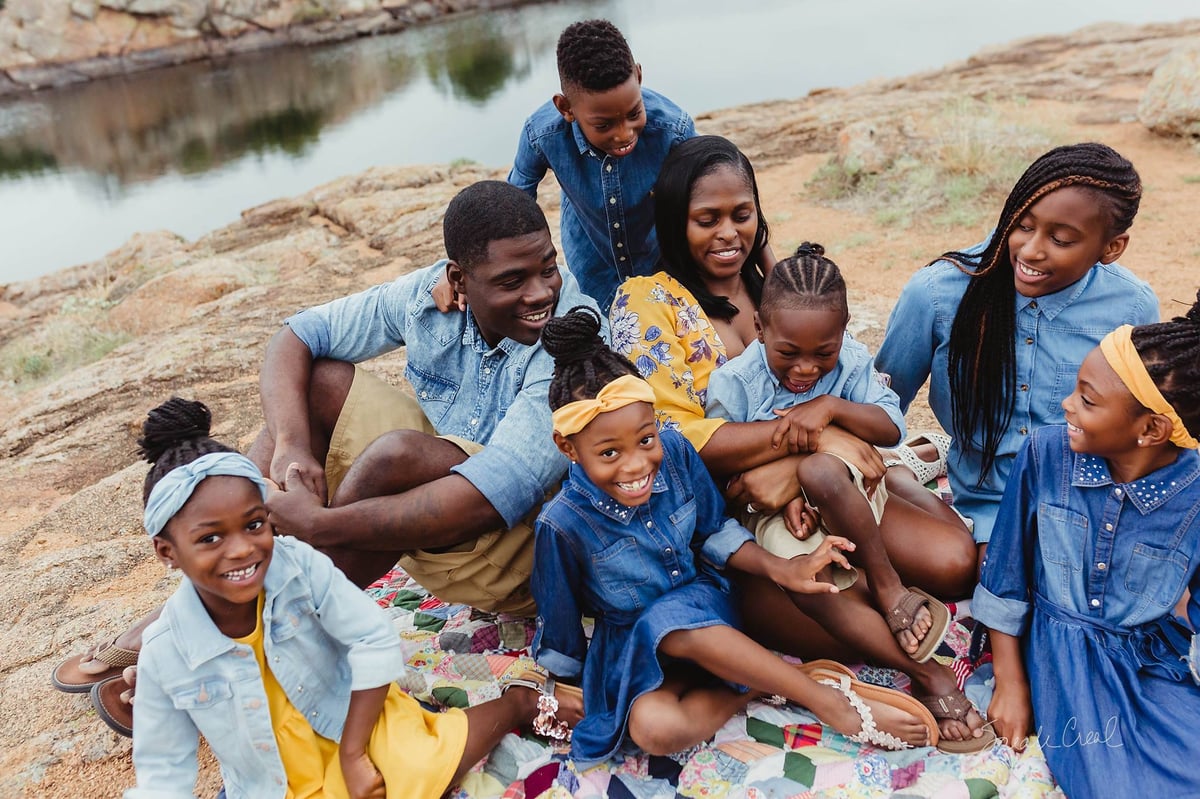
1146 493
1051 305
602 501
474 339
585 147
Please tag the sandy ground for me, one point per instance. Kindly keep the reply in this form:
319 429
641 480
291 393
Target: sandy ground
877 261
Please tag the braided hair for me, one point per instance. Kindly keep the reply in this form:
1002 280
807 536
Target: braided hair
1171 353
687 162
583 363
805 280
594 56
175 433
982 347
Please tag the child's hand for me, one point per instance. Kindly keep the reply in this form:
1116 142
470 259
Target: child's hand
800 574
363 780
446 298
800 427
802 519
1011 712
851 448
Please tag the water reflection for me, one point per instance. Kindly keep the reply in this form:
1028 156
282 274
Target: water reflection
197 117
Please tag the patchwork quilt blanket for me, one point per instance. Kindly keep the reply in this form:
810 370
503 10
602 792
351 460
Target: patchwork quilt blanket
459 656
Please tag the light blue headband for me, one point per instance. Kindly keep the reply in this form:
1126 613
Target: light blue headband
176 486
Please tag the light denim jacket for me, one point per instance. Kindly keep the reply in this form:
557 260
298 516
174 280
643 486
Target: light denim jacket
323 638
607 204
1053 335
746 390
496 396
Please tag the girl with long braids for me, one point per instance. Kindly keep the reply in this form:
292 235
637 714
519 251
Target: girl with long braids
637 539
1097 541
1001 328
283 665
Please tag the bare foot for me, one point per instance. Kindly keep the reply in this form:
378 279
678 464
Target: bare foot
888 718
910 638
130 678
939 681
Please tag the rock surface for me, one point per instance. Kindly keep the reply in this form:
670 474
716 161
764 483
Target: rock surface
1171 103
192 318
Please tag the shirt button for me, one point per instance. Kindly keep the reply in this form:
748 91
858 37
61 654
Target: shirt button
674 572
620 245
299 689
1108 527
263 747
254 704
622 258
487 370
667 550
1023 430
649 524
1101 567
474 422
616 225
1033 304
1028 340
608 168
612 200
1118 492
1095 603
424 395
1024 386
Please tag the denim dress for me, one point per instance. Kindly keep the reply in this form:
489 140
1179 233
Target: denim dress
1087 572
640 572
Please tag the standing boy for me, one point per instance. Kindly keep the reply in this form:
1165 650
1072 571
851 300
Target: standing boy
604 137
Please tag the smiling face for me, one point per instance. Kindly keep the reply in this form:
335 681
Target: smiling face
513 292
1060 238
620 451
722 223
611 120
1103 418
802 345
222 541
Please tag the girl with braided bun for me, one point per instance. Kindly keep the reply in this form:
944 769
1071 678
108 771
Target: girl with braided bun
1001 328
268 651
637 539
1096 543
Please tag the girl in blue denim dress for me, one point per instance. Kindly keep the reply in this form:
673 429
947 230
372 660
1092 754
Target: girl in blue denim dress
273 655
637 539
1097 541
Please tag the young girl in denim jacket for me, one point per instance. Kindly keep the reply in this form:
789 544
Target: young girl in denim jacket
637 539
1000 329
1097 540
273 655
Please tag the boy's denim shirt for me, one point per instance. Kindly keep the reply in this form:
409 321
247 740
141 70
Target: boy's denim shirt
323 638
1120 554
496 396
607 203
635 554
746 390
1053 334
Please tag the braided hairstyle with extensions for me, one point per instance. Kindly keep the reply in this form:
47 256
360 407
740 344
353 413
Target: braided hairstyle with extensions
1171 353
593 56
583 363
982 347
175 433
804 281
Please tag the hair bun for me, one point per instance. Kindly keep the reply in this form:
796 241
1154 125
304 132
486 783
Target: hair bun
1193 313
175 421
574 336
809 248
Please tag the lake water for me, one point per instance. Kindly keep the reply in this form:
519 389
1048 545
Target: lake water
187 148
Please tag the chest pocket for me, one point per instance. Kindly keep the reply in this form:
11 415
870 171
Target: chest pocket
286 624
206 694
1064 383
1061 537
621 570
434 393
683 521
1156 575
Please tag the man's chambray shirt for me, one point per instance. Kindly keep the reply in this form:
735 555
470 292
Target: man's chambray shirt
1053 334
746 390
495 396
607 205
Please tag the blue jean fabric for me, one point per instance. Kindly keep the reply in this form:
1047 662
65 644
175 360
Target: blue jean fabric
640 572
1053 335
1087 573
607 205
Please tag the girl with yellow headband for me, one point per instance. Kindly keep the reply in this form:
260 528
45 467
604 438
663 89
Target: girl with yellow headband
1095 548
637 539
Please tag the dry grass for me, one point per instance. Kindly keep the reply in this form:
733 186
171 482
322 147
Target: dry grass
79 334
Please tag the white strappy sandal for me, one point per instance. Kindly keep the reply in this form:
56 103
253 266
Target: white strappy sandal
547 724
905 455
869 733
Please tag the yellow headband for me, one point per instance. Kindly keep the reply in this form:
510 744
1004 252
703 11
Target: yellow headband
625 390
1119 351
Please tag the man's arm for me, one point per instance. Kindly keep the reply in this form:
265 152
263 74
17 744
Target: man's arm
283 385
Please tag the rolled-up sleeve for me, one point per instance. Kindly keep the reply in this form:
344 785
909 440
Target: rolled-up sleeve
729 397
353 619
1002 599
559 643
865 385
529 165
363 325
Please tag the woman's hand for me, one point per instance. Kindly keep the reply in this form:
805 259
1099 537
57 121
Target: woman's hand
800 574
363 780
446 298
768 487
1011 712
801 519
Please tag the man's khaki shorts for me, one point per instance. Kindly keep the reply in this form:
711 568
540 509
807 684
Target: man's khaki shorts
490 573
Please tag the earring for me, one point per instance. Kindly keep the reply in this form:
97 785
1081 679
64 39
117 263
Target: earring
1139 442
